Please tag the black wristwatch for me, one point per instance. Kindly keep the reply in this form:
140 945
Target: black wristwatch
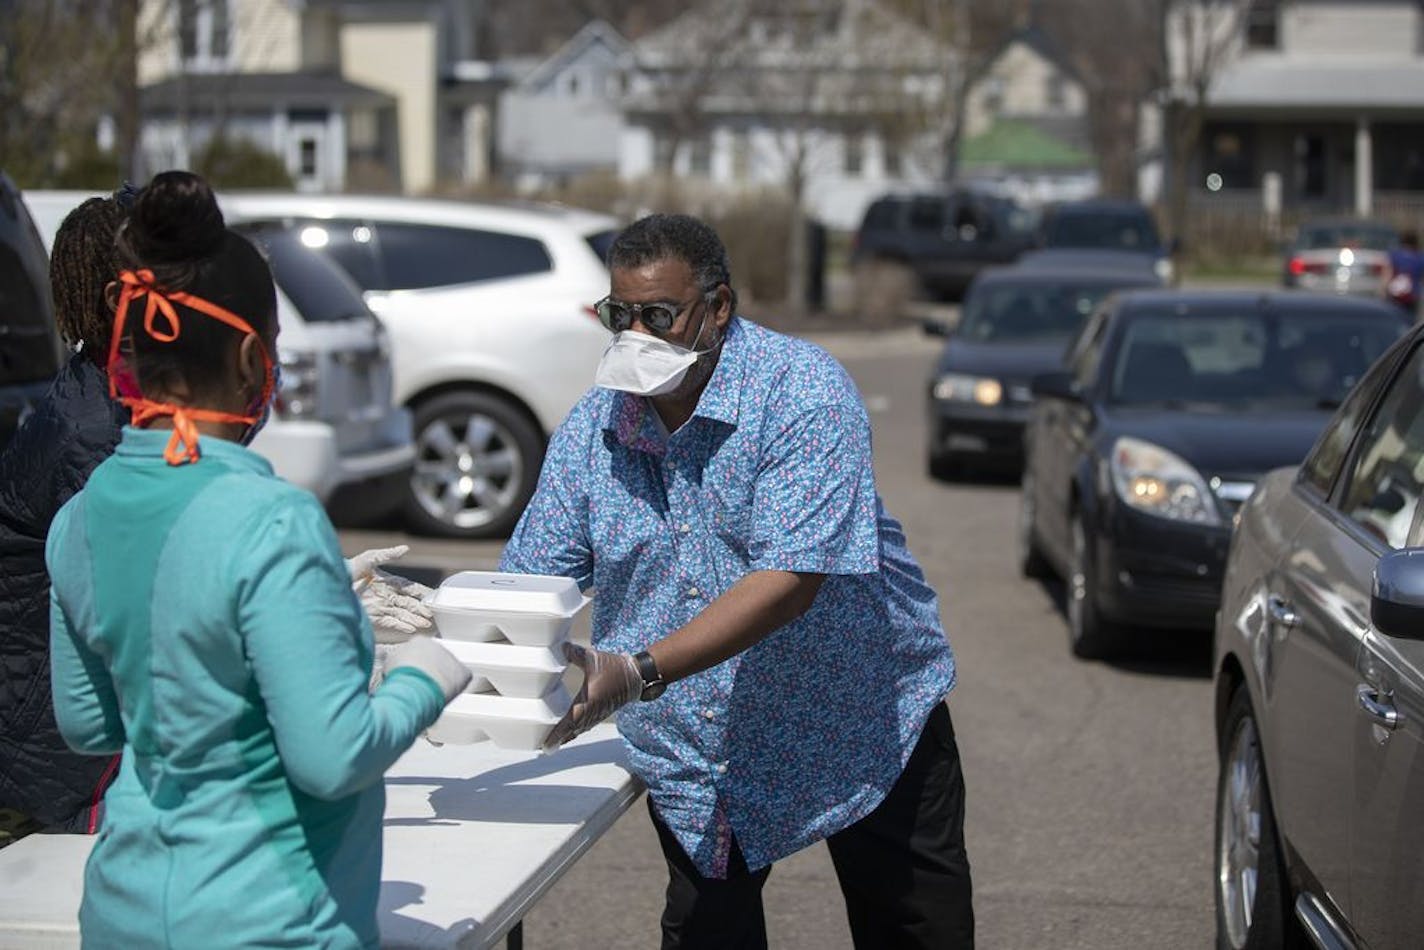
653 684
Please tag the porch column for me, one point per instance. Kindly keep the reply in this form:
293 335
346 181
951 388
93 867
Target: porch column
1364 167
334 175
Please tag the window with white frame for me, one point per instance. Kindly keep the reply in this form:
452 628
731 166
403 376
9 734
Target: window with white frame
854 153
204 33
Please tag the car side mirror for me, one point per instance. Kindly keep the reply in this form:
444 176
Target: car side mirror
933 326
1057 385
1397 603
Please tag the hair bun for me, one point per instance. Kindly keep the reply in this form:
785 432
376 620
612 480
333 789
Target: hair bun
176 218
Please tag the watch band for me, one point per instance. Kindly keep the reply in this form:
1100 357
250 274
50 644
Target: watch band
653 684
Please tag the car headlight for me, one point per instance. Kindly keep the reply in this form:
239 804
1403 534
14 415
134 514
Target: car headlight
1151 479
300 378
1163 269
957 387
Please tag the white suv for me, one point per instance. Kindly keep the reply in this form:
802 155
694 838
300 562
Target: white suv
335 430
492 329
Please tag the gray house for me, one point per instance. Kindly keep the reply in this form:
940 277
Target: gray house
1318 106
564 118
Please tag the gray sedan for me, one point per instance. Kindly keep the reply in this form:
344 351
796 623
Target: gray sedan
1320 684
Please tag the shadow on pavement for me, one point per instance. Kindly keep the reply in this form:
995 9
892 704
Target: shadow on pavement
1166 653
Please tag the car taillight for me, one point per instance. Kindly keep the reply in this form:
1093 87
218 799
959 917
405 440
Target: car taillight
1297 266
1376 269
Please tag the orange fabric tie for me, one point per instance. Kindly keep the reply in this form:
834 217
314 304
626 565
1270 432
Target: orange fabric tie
183 444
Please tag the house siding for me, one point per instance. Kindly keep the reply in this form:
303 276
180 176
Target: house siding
400 59
1362 28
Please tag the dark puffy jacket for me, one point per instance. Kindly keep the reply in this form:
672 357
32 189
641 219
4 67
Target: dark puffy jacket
50 458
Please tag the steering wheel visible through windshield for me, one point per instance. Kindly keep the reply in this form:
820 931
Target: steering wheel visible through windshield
1282 360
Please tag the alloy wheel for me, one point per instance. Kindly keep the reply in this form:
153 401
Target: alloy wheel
468 469
1239 833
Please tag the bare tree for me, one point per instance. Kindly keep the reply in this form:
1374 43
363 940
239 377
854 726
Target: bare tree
1199 38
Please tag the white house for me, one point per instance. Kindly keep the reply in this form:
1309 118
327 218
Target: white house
1026 122
363 93
1315 105
840 99
564 118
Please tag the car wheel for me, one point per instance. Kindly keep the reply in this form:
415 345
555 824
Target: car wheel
1089 636
883 289
1252 894
1032 563
477 461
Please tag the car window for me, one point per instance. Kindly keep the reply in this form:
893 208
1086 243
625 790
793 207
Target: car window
349 243
1346 235
601 242
1324 461
318 287
1037 311
421 255
28 344
1284 359
1387 473
880 216
927 214
1124 230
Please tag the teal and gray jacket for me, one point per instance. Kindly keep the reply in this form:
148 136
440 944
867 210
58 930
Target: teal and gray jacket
203 623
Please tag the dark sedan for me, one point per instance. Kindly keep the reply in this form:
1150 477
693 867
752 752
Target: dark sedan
1172 405
1015 325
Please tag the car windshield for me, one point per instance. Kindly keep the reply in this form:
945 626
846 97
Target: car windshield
1029 312
1346 235
1123 230
321 291
1232 359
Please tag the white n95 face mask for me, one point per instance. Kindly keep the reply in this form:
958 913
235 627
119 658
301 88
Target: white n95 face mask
645 365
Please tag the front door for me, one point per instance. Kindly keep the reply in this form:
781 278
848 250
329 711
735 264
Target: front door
307 155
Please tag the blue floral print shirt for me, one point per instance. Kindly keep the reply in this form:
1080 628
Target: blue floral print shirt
804 733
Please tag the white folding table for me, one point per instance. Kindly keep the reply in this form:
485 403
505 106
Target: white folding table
474 836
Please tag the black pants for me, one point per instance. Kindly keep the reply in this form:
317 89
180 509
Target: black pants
902 868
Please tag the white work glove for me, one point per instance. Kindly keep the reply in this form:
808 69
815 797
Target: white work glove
610 682
394 604
427 655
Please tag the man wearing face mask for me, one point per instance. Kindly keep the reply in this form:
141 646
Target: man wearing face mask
772 649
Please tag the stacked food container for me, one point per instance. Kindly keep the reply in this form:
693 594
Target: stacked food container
509 631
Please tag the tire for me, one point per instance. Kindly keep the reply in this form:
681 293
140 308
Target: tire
1253 899
1090 637
477 462
1032 563
882 290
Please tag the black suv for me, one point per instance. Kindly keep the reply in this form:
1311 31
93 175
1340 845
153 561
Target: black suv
933 243
30 348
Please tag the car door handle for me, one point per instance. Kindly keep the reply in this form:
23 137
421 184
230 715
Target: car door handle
1281 612
1381 711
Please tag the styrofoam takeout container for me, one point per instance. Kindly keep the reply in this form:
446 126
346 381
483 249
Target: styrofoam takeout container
509 722
522 672
526 609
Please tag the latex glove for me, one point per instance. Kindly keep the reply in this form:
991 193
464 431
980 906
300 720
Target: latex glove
378 665
427 655
610 682
394 604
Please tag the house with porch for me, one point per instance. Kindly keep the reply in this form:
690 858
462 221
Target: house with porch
1315 107
369 94
832 103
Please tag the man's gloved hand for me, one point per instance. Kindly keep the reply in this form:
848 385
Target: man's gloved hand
610 681
394 604
427 655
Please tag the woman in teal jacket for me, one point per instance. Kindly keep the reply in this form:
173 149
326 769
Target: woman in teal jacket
203 623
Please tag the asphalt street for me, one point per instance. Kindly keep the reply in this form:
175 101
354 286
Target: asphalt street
1090 785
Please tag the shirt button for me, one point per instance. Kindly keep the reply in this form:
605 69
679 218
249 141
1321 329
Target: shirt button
721 768
685 528
693 592
709 715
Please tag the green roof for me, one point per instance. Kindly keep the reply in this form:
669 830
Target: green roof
1015 144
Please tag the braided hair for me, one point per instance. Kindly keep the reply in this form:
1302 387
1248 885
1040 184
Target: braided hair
83 262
